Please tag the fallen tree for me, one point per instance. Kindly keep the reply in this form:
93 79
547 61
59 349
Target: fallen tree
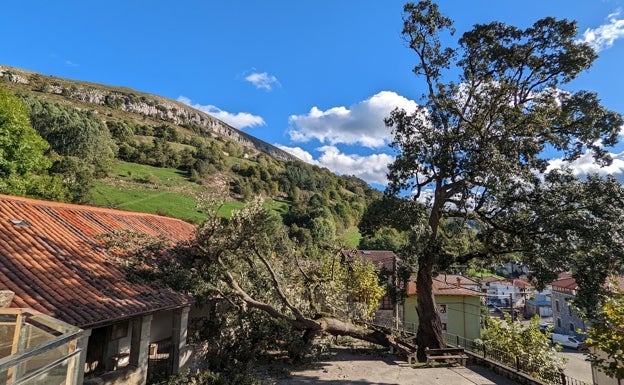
250 262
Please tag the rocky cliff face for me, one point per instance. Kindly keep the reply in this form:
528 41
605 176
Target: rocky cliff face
139 103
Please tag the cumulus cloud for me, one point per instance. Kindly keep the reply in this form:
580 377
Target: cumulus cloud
605 35
360 124
585 165
262 80
299 153
238 120
370 168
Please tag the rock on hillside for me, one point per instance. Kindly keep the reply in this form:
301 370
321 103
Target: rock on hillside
153 106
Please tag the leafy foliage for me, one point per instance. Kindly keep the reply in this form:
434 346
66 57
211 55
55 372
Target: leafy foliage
71 132
516 343
475 150
275 295
23 160
606 336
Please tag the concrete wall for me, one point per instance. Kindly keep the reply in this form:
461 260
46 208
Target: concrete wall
141 331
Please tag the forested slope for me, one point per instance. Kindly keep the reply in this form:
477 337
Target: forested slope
130 150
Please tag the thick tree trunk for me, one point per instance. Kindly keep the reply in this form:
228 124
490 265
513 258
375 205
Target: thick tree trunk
429 334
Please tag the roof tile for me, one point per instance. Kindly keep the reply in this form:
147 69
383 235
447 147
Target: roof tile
52 258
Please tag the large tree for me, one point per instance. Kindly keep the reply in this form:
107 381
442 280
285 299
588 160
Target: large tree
22 150
476 149
23 154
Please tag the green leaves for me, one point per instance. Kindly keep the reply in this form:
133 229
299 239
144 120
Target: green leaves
22 150
476 147
606 336
518 343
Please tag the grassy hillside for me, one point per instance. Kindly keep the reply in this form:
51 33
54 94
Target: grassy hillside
163 191
140 152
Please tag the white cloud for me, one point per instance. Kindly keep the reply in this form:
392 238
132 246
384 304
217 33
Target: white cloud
605 35
238 120
362 123
262 80
299 153
371 168
586 165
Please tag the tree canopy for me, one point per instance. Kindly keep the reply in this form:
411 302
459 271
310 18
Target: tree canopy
23 154
476 149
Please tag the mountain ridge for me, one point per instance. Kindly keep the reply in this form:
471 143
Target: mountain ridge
137 102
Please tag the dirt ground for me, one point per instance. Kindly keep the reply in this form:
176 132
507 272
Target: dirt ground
349 366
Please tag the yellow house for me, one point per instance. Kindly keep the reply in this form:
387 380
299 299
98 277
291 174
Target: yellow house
459 308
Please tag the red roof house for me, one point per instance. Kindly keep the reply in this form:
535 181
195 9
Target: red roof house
53 258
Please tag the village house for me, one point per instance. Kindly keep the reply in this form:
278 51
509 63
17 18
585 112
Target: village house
386 262
54 260
566 317
459 308
514 291
540 303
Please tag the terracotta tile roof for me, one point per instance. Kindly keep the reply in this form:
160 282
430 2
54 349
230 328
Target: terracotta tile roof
521 283
451 279
50 256
443 288
380 258
568 283
490 279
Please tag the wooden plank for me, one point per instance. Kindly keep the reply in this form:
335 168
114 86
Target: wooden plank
13 372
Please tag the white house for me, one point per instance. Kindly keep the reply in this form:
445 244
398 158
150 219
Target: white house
515 290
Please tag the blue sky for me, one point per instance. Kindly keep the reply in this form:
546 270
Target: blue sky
313 77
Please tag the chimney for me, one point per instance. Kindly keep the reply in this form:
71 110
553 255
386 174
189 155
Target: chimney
458 282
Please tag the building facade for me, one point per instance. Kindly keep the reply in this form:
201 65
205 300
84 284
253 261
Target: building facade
459 308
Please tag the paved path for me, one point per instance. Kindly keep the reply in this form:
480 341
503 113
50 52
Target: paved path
344 367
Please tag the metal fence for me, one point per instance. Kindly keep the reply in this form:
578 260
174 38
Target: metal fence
520 364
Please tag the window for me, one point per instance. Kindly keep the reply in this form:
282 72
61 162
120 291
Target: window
557 309
443 308
558 322
386 303
570 310
571 327
443 327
